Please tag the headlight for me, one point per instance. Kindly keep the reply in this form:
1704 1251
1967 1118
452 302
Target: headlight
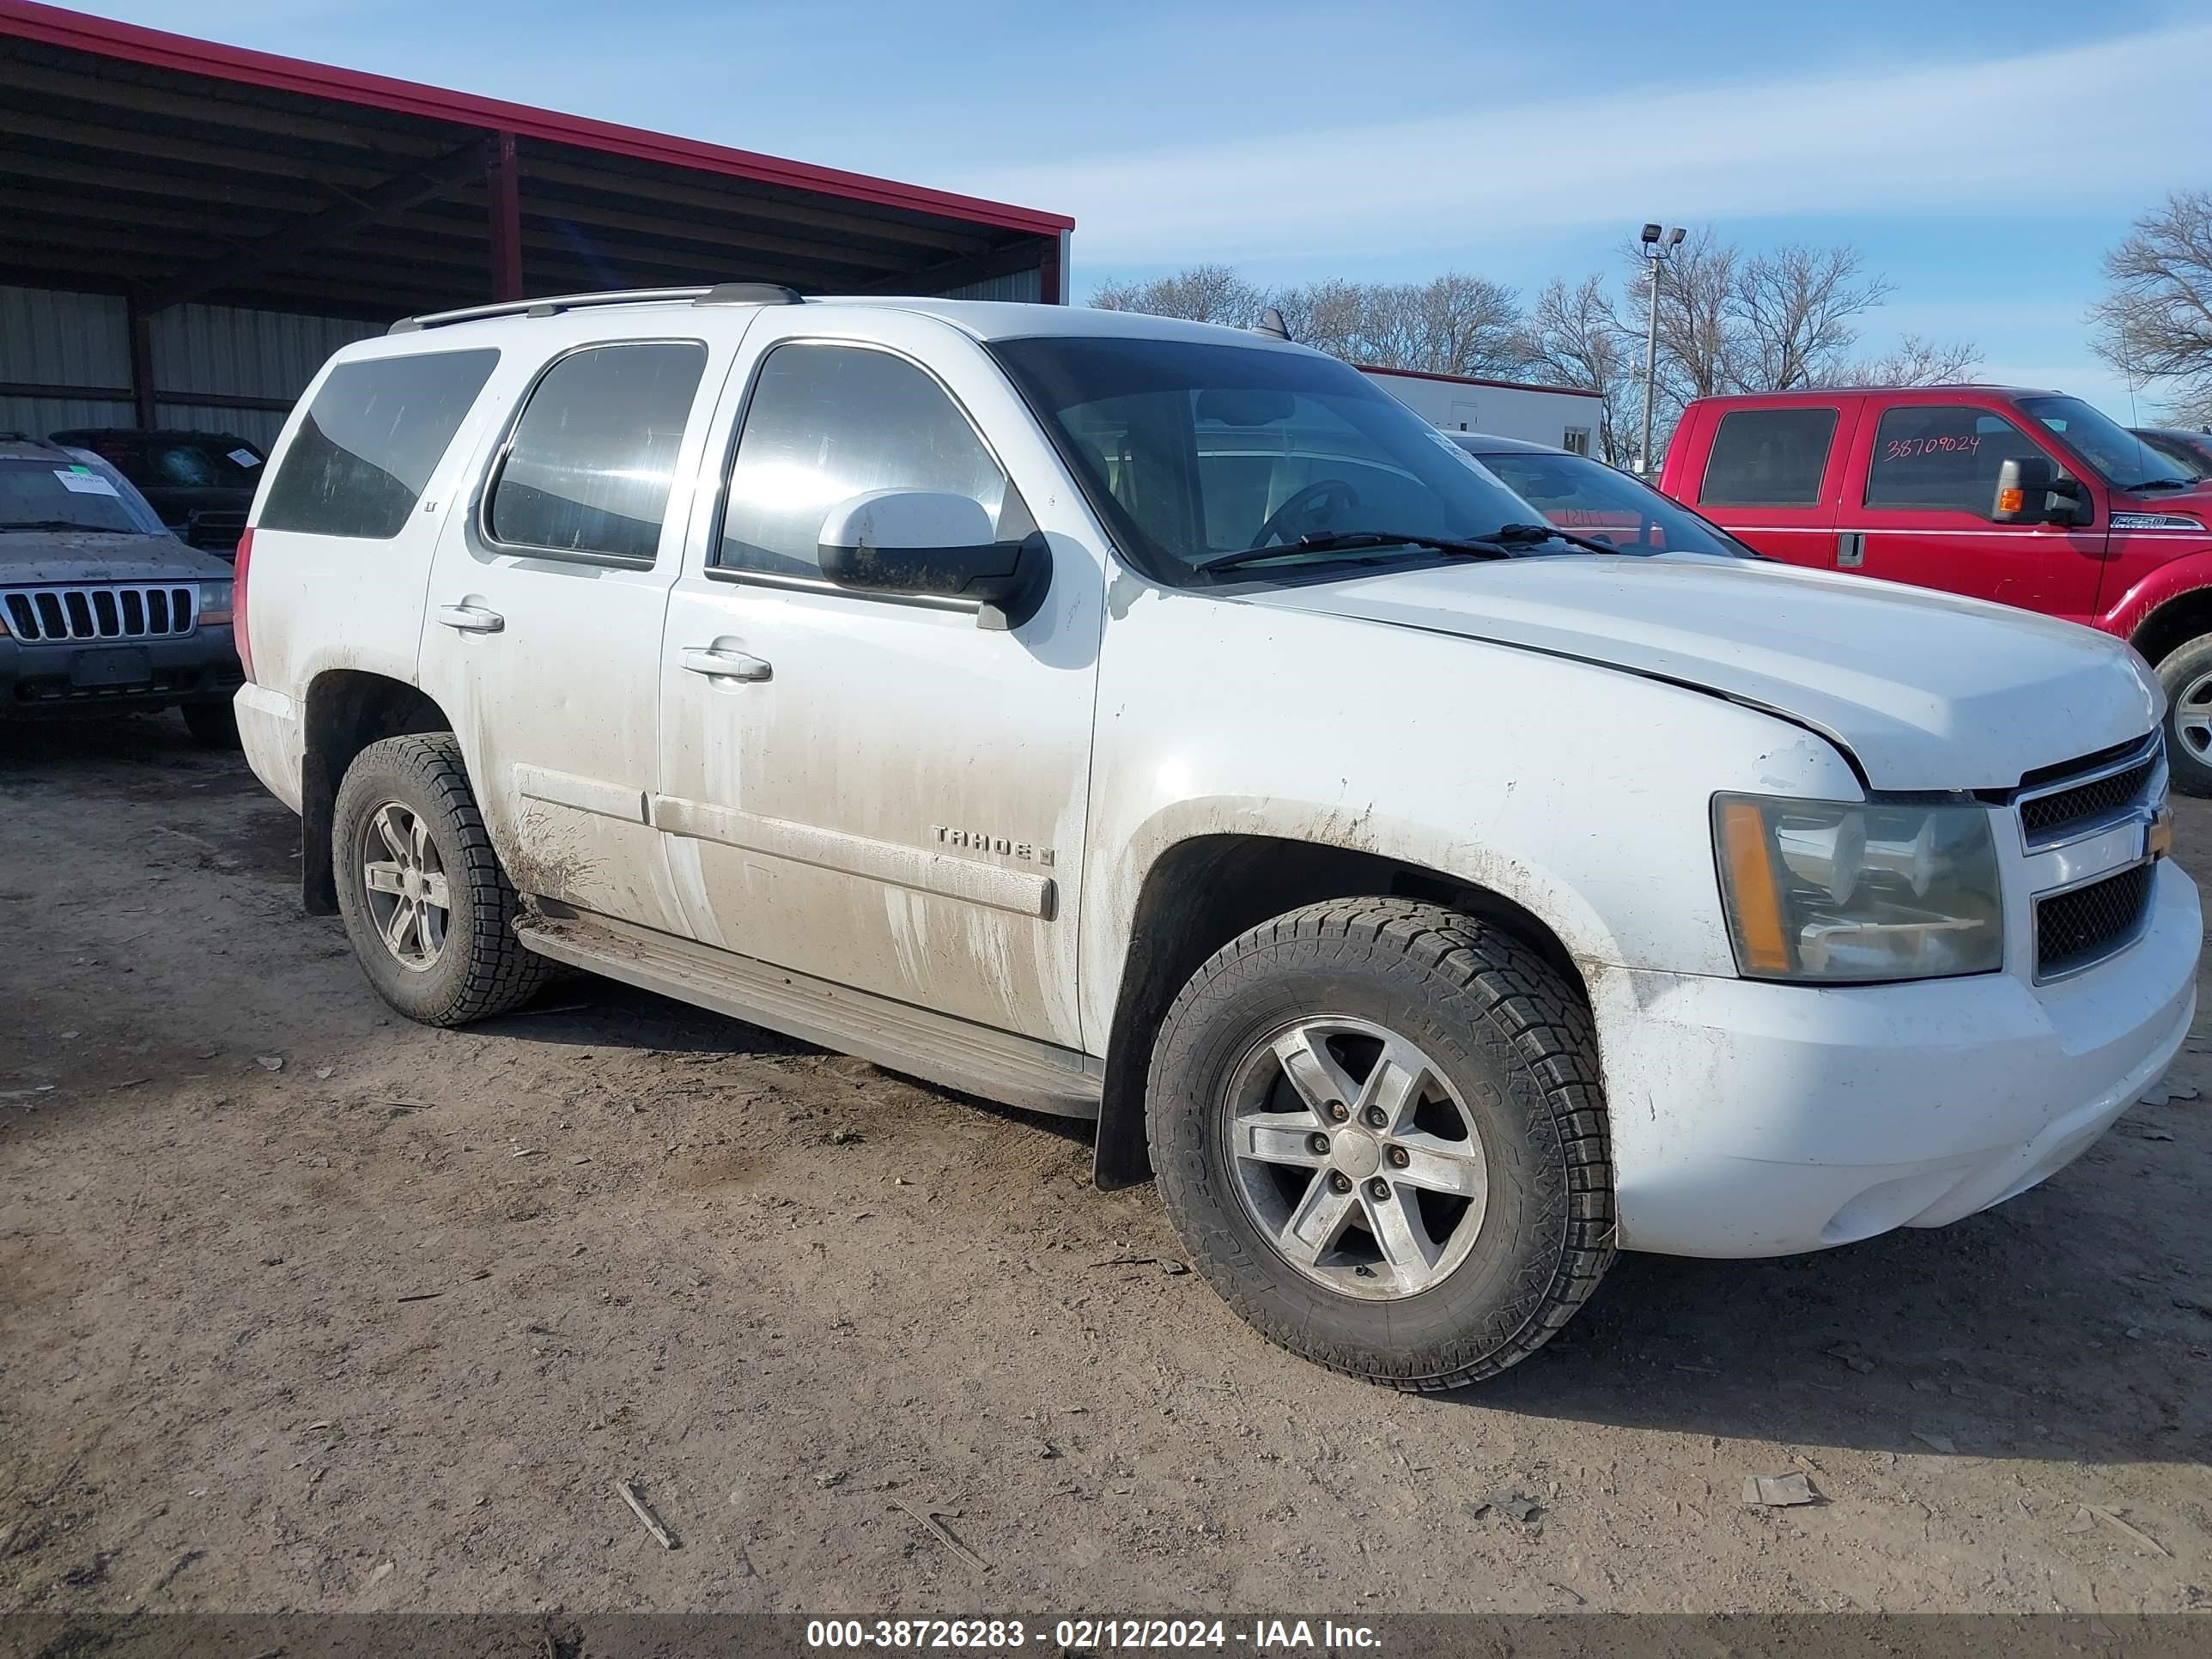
215 601
1834 891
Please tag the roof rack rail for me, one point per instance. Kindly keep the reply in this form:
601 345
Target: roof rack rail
751 294
551 305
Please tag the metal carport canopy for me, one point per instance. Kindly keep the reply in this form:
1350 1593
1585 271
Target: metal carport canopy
172 169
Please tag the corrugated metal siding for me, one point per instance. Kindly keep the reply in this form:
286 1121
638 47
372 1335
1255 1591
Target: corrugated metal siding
259 427
49 336
39 415
1026 285
244 354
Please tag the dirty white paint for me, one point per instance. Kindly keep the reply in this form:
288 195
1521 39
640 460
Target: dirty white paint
962 820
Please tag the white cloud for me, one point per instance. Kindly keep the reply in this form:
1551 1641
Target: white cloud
2008 138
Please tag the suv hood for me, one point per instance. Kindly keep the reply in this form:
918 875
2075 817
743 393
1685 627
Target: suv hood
1926 690
43 557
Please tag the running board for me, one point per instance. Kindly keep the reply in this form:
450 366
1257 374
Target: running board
957 1052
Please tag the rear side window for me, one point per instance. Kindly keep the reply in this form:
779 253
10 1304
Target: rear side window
1942 457
1769 457
367 447
827 422
590 464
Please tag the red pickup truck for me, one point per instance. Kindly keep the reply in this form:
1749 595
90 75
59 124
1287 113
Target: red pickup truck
2029 498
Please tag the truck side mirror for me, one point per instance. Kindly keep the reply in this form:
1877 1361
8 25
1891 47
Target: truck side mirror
2029 491
934 542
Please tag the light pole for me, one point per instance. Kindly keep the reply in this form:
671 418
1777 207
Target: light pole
1656 253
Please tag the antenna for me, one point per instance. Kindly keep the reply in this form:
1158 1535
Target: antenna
1272 325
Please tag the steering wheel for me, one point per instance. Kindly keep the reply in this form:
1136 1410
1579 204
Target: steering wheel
1303 504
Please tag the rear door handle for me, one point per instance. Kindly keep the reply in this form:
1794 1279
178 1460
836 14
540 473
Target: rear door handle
1851 550
470 619
724 664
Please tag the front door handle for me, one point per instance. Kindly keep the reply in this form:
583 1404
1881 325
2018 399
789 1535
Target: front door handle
724 664
1851 550
470 619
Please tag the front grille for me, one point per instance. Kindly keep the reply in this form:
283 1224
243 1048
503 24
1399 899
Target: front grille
55 616
2075 929
2052 816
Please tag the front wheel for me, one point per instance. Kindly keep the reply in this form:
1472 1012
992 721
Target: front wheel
1379 1128
430 913
2186 674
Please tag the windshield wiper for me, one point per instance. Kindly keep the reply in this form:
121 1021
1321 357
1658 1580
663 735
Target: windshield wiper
2162 483
1348 541
1528 535
45 523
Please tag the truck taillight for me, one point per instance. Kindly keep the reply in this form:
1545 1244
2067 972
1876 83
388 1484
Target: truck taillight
238 627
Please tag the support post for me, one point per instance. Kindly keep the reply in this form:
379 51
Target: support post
141 325
503 206
1053 277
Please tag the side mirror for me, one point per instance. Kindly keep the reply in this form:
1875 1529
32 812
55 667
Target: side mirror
2029 491
931 542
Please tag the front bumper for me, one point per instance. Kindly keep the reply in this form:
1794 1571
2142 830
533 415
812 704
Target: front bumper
1753 1119
46 681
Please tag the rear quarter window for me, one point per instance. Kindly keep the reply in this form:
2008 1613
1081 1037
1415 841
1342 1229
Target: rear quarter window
369 442
1769 457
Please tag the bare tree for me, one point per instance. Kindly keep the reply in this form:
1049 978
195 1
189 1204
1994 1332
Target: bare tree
1915 362
1573 338
2155 325
1203 294
1793 311
1451 324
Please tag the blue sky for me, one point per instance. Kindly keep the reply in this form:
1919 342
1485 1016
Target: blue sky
1982 155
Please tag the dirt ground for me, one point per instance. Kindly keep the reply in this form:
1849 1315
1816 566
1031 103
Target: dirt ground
380 1327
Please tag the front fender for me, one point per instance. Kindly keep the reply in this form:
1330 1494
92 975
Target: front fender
2177 579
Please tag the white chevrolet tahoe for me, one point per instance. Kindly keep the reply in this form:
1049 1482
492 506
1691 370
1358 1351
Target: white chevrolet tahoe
1159 724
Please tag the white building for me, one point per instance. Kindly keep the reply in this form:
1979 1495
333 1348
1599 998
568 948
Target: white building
1506 409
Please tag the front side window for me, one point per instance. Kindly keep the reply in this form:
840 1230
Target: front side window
1942 457
589 467
1192 450
1594 500
368 444
828 423
1769 457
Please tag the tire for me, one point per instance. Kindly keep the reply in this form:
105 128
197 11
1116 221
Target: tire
213 724
2186 673
1507 1045
478 968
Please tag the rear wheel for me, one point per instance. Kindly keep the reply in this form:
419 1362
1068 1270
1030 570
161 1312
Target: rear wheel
2186 674
430 913
1379 1128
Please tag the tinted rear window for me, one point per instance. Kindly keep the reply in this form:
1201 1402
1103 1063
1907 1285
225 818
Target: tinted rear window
370 440
1769 457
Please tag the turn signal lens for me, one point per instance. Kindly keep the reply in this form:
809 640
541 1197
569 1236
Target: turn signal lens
2157 841
1758 901
2012 500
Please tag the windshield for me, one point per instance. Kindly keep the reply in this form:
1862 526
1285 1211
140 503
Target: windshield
69 490
1193 451
158 462
2122 459
2187 450
1575 493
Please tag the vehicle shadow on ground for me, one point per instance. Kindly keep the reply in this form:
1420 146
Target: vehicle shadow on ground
587 1012
1989 1338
